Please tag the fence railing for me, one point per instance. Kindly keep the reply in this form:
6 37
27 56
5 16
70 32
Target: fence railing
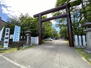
80 41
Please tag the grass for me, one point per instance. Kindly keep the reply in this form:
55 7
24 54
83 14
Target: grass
84 54
8 50
1 46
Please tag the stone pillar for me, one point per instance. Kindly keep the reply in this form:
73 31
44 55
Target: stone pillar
28 38
88 36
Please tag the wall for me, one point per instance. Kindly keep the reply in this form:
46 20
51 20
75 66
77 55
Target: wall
35 40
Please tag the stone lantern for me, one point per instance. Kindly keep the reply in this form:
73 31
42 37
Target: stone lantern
28 35
88 36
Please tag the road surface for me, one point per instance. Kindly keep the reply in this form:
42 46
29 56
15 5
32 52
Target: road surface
4 63
53 54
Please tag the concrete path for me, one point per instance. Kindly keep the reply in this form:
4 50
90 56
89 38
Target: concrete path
7 64
53 54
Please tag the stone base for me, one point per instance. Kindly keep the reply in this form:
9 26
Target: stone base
79 46
88 50
26 45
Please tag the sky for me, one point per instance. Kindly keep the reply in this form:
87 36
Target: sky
14 8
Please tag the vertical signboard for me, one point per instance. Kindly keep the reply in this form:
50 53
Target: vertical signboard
1 33
16 36
6 37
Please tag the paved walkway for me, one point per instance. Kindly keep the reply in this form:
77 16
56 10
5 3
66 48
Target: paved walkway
54 54
6 64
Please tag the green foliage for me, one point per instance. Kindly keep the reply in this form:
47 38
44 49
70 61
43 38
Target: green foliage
88 12
47 29
11 50
57 13
79 16
11 24
63 31
28 23
61 2
55 34
75 3
78 30
84 54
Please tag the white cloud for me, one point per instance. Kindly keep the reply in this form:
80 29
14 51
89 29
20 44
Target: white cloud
27 6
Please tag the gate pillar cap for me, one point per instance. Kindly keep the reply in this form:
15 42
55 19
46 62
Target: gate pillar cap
87 24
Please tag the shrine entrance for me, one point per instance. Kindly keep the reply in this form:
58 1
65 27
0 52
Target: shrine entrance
66 15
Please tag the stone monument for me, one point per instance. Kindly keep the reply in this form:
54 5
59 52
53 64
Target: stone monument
28 37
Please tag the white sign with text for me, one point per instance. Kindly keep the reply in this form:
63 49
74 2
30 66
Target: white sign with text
16 36
6 37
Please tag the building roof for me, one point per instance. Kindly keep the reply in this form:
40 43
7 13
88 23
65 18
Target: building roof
1 23
87 24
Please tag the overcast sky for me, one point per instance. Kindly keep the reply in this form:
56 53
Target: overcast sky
16 7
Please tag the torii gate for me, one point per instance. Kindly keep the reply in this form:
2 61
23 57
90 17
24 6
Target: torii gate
67 15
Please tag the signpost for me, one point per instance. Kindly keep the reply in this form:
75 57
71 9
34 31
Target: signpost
6 37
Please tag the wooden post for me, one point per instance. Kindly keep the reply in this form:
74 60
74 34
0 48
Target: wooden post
40 28
69 25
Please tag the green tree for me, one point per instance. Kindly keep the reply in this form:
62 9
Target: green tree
55 34
88 10
29 23
47 29
78 15
62 24
63 32
74 3
61 2
11 24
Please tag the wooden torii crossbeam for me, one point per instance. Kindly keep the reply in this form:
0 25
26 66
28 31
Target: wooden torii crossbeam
67 15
